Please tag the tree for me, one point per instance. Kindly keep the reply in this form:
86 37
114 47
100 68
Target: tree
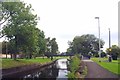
8 47
51 46
0 47
4 43
103 54
54 46
31 45
85 44
41 42
69 50
114 51
48 45
20 26
5 15
11 47
5 48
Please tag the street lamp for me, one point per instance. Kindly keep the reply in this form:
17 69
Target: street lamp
110 60
99 37
109 39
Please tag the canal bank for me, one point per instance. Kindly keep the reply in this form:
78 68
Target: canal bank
20 71
56 69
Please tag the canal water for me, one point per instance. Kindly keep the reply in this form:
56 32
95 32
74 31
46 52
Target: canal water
61 64
57 71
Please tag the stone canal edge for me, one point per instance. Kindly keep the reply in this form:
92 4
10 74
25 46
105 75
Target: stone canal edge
24 70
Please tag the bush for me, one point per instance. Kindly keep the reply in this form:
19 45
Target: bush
74 63
114 57
73 66
96 55
103 54
71 75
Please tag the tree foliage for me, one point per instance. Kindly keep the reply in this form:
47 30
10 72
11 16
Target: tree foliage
4 46
20 29
85 44
51 46
54 46
114 51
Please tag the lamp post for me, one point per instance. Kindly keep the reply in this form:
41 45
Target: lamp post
109 39
110 60
99 37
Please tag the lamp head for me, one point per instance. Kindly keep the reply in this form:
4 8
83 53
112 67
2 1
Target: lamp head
96 17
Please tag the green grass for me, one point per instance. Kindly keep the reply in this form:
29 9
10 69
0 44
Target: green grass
9 63
85 72
111 66
73 66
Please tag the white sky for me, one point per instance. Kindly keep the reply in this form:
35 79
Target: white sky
65 19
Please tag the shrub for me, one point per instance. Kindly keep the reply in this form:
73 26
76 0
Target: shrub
96 55
103 54
114 57
71 75
73 66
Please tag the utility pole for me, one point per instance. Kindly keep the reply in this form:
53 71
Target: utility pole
109 39
110 57
99 37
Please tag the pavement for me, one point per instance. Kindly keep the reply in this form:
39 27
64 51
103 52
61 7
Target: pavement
96 71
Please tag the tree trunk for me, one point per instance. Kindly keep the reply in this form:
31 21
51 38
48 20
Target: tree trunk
6 55
14 56
30 56
6 50
11 55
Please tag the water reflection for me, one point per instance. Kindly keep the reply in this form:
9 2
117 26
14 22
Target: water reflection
57 71
61 63
50 72
62 74
62 66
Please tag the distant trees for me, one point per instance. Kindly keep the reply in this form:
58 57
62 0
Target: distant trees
114 51
48 44
85 44
103 54
4 46
41 42
54 46
51 46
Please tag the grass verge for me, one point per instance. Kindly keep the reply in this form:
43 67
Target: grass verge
84 72
9 63
73 66
111 66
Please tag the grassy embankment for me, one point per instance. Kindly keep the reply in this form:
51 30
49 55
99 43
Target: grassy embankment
73 67
111 66
9 63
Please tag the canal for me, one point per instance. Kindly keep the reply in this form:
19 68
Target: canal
57 71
